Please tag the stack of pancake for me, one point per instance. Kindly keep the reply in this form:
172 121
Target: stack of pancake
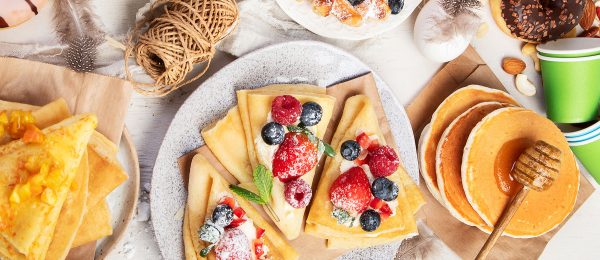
72 167
466 154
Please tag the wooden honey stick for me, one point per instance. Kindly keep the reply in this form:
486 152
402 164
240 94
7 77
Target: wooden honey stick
536 168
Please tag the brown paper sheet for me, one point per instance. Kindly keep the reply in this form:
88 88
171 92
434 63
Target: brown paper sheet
39 83
462 239
307 245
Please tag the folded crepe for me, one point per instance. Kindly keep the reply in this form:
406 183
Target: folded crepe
359 116
96 225
242 125
34 183
206 187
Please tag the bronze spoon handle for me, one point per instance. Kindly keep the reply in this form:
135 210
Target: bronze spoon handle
507 215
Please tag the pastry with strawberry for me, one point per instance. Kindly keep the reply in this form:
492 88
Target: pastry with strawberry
218 224
364 196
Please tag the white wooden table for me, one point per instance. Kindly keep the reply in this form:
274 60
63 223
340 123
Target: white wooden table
149 118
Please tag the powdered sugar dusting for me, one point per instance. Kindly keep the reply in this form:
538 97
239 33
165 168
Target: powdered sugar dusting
233 245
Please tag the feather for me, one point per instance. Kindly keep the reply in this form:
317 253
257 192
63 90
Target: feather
460 18
78 27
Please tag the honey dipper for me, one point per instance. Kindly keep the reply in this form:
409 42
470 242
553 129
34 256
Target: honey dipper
536 168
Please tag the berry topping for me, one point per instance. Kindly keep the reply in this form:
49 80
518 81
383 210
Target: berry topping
259 249
210 232
297 193
384 189
237 222
370 220
239 212
259 232
363 140
295 157
229 201
351 191
311 114
383 161
286 109
233 245
272 133
396 5
382 207
350 150
222 215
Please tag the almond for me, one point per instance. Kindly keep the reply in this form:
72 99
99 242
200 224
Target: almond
513 66
591 33
589 15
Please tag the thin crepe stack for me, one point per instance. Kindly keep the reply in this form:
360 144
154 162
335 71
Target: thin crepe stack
55 180
466 154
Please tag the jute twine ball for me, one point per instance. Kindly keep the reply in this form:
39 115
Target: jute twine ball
184 34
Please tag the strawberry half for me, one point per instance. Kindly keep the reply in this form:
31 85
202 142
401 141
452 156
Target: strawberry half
295 157
351 191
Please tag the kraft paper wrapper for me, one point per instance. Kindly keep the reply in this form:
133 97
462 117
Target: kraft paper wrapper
39 83
464 240
307 245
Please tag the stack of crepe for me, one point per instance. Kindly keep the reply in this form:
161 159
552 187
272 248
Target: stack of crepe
231 140
359 116
34 228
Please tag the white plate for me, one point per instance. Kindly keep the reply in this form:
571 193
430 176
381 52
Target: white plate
295 62
301 11
123 200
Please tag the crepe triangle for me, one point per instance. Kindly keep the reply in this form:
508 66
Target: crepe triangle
359 115
206 188
29 224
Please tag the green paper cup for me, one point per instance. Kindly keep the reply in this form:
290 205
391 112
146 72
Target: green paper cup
571 88
588 152
570 48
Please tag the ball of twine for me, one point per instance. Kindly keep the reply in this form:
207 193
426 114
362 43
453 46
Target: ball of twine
184 34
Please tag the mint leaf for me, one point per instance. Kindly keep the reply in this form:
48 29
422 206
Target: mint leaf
329 151
204 252
246 194
312 138
295 129
263 179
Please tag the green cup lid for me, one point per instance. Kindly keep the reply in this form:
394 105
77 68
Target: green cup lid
570 47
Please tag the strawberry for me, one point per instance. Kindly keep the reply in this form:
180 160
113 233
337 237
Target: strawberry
239 212
229 201
259 249
259 232
377 203
351 191
374 144
385 211
363 140
237 222
295 157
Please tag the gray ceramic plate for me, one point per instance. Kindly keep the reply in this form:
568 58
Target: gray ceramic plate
295 62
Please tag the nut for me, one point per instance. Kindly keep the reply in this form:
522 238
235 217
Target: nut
524 85
529 50
482 31
589 15
590 33
513 66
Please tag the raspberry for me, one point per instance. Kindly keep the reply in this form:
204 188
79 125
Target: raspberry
383 161
351 191
286 109
233 245
298 193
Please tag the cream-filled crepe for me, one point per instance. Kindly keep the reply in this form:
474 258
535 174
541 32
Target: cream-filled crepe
220 225
294 119
364 196
449 159
489 154
453 106
37 174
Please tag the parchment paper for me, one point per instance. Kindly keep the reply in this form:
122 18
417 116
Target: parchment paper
464 240
39 83
308 245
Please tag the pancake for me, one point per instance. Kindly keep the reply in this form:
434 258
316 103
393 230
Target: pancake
491 149
453 106
449 159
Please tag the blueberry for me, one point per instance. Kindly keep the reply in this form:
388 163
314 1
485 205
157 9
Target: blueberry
355 2
396 5
311 114
384 189
222 215
272 133
370 220
350 150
